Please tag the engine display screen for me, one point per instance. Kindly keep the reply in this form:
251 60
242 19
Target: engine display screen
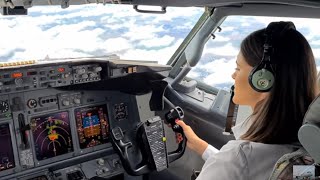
52 135
92 126
6 150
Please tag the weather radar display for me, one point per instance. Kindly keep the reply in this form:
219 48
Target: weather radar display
92 126
52 135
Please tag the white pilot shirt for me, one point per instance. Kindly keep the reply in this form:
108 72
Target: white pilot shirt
241 159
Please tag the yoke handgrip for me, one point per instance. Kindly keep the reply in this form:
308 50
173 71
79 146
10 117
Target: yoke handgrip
173 115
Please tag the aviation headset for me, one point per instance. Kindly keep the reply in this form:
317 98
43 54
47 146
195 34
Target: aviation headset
262 76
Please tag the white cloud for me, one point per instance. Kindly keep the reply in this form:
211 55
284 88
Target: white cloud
193 75
80 30
161 56
220 71
157 41
221 38
116 44
227 49
316 53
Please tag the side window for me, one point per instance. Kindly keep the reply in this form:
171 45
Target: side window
218 59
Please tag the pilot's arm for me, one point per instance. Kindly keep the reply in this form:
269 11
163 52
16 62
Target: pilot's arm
229 163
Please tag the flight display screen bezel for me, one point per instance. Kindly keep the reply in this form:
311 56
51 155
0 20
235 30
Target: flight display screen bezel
13 146
42 161
100 116
9 149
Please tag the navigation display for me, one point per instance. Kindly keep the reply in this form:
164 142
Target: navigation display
6 150
92 126
52 135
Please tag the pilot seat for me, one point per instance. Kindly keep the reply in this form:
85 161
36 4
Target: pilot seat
304 163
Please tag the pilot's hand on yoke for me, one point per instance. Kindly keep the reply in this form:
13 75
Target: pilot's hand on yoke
193 141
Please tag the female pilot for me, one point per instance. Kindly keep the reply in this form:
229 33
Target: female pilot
276 76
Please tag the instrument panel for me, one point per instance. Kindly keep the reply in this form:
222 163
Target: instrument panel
52 128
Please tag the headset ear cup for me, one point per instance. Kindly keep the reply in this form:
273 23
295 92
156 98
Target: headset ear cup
261 80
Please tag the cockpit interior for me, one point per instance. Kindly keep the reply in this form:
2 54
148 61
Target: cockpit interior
107 118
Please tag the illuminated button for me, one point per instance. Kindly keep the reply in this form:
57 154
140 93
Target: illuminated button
61 69
16 75
164 139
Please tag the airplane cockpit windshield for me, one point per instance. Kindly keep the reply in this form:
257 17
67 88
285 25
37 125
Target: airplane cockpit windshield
93 92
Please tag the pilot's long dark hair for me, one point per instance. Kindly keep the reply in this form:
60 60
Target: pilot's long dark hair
276 119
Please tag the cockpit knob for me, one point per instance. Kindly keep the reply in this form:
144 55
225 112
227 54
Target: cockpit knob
105 169
92 75
65 102
97 69
66 75
18 81
80 71
99 172
84 76
100 161
76 101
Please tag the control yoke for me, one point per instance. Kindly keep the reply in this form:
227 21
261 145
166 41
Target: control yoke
151 141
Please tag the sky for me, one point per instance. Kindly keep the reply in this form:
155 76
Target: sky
97 30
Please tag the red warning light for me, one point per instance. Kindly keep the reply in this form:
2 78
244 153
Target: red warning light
16 75
61 69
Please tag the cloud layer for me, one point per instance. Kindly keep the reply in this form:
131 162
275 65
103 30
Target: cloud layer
96 30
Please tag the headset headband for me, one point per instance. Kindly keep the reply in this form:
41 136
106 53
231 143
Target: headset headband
274 30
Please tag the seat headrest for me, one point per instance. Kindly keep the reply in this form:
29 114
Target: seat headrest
309 132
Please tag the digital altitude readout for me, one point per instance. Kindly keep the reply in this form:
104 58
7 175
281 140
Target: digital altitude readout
51 135
92 126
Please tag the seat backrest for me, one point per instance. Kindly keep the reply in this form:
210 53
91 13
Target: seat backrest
309 132
306 156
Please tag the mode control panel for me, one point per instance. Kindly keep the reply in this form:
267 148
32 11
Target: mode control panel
86 73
